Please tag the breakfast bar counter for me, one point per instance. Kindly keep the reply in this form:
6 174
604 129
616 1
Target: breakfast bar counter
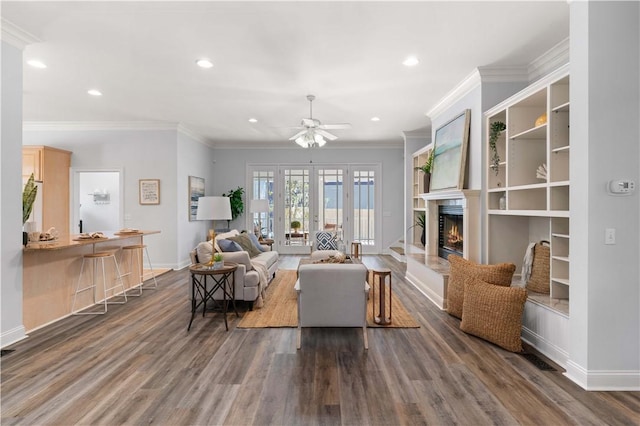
51 270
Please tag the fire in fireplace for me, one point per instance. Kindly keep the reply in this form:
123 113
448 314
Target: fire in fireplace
450 238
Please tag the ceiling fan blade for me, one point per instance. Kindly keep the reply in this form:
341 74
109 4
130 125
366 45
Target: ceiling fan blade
300 133
335 126
310 122
326 134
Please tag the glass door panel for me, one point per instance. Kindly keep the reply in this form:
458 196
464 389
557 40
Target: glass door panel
262 188
297 208
364 226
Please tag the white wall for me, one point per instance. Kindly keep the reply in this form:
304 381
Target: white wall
231 165
141 154
12 329
605 136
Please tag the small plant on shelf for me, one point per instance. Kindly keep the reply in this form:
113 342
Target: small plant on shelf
497 127
428 164
295 225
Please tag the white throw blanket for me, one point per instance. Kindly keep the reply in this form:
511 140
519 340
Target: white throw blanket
527 262
263 273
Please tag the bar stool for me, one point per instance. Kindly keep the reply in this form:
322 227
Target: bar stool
356 249
98 259
137 249
380 276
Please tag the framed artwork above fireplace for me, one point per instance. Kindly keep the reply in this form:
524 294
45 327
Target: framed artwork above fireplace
450 158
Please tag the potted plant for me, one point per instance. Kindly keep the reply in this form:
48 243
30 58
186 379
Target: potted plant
28 198
496 128
426 169
420 222
218 261
295 225
237 205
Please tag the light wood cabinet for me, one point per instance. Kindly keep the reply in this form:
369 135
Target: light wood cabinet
51 167
523 207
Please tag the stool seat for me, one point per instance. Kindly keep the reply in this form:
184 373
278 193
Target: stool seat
98 254
135 246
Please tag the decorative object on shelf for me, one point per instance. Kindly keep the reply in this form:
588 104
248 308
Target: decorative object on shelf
237 205
149 191
497 127
426 169
535 267
421 223
450 154
503 201
541 172
295 225
28 198
196 191
541 120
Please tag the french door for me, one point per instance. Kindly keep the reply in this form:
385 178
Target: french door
307 198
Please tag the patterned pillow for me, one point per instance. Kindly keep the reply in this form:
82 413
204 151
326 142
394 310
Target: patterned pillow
326 241
500 274
494 313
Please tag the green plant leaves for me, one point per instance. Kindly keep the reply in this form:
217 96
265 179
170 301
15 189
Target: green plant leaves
28 197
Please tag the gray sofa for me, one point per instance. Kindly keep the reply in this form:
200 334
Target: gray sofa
248 275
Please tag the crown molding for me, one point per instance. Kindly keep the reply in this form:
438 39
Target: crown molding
549 61
16 36
467 84
291 145
97 125
193 135
505 74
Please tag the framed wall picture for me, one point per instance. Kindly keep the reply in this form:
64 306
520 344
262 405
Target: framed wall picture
149 191
196 190
450 158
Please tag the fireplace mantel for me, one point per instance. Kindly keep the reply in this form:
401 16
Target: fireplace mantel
469 199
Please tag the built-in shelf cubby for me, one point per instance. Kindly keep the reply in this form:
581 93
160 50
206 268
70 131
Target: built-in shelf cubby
527 194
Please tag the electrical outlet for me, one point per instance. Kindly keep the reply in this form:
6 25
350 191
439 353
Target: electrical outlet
610 236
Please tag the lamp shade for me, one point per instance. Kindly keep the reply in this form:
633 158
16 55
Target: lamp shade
259 206
214 208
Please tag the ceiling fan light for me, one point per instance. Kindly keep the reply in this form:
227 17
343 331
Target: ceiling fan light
302 142
320 143
319 139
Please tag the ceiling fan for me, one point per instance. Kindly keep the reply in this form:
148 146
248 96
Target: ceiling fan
313 132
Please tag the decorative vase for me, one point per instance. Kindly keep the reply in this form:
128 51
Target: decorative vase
218 265
426 180
423 237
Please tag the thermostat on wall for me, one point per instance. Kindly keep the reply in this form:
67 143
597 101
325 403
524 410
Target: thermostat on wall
621 187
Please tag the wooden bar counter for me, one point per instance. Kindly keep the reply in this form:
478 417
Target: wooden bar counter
51 270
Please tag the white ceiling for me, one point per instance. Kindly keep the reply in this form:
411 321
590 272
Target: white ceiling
267 57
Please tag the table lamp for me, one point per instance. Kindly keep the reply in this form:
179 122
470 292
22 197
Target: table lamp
259 206
213 208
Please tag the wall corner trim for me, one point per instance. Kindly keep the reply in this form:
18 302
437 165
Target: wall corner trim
16 36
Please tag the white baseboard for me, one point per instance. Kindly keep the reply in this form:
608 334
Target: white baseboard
434 297
545 347
12 336
603 380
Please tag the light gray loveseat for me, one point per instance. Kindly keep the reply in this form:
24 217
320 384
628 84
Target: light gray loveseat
248 275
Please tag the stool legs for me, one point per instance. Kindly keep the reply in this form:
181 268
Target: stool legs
98 259
140 260
383 296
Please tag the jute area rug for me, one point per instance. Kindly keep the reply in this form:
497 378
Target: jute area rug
281 307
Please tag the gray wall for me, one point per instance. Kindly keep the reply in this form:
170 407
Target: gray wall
605 135
10 206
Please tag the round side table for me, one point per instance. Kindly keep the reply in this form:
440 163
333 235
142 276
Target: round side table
221 281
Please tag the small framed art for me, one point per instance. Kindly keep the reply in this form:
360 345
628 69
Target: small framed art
149 191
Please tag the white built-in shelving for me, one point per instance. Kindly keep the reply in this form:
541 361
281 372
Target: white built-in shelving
533 208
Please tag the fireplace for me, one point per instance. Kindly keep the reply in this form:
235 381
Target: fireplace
450 234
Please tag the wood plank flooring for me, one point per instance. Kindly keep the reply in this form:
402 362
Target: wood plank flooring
138 365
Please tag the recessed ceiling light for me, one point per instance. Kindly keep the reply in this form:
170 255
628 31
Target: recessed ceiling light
204 63
94 92
375 118
411 61
36 63
253 120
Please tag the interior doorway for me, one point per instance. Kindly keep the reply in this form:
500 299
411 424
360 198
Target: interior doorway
97 200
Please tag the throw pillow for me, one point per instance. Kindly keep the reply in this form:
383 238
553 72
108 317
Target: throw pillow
204 251
499 274
255 241
246 244
228 245
326 241
494 313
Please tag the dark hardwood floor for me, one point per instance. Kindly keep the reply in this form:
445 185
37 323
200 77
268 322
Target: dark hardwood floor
139 365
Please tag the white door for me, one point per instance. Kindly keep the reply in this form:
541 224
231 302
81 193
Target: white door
96 201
